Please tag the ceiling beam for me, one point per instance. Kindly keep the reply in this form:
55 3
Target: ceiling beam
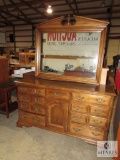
34 9
28 20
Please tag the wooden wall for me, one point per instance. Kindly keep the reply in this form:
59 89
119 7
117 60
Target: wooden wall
24 37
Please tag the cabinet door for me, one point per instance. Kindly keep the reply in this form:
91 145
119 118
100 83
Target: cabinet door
57 115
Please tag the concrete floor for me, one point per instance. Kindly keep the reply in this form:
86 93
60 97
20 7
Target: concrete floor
38 144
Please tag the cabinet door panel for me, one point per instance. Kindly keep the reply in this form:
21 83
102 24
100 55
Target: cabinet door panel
57 112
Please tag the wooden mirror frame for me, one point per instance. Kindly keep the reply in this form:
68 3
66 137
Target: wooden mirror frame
83 24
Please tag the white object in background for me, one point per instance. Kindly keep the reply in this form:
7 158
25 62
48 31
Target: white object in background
104 76
33 68
17 71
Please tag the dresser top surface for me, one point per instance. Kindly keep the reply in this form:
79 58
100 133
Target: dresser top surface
67 85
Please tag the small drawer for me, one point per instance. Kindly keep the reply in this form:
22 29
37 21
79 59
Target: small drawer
31 119
57 94
38 109
23 89
24 98
38 100
97 122
78 118
100 111
79 107
98 99
24 106
38 91
84 131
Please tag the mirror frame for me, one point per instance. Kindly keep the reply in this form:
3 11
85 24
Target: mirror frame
82 24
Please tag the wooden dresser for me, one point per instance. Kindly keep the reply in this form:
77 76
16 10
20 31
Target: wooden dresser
75 109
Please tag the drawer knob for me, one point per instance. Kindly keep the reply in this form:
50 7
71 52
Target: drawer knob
78 117
24 116
37 100
37 109
96 134
78 108
80 98
24 106
99 100
23 97
76 129
97 122
37 119
57 94
22 89
98 111
37 91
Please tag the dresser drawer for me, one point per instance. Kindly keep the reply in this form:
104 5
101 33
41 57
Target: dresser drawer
97 122
35 90
38 100
57 94
84 131
31 119
23 89
91 98
38 91
79 107
24 106
38 109
78 118
100 111
24 97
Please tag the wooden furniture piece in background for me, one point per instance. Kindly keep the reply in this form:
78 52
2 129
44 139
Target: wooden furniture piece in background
27 58
6 89
5 86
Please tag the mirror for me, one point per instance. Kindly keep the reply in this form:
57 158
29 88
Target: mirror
70 55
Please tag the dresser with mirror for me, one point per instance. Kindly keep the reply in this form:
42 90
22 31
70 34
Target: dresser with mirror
66 96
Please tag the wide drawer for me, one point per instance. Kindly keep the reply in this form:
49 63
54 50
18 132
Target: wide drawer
88 132
31 119
57 94
35 90
89 98
79 107
78 118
